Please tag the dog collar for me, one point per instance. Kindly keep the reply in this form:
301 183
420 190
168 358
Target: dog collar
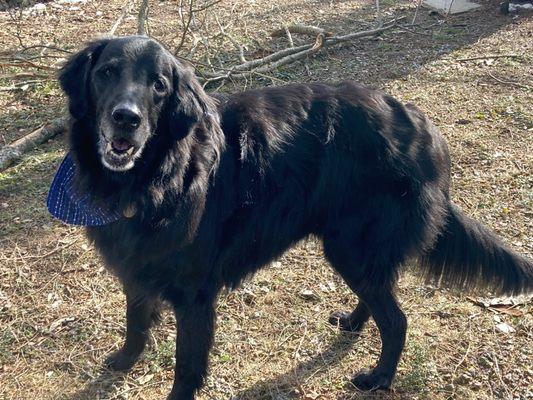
67 204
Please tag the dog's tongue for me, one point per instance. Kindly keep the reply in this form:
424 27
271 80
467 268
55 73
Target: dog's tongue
121 144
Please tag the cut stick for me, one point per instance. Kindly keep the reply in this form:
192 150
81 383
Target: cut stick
11 153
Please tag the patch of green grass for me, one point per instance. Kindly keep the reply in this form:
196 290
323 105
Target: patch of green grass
7 341
164 356
385 46
387 3
47 88
441 36
416 378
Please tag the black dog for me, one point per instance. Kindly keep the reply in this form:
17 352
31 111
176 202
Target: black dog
212 189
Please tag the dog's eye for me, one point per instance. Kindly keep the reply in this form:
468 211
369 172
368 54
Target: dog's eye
159 85
107 72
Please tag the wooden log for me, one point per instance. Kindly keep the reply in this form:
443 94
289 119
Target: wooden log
11 153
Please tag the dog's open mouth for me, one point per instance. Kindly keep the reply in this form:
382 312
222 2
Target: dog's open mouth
120 147
119 154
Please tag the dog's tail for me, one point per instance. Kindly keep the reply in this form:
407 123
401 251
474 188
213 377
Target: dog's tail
468 256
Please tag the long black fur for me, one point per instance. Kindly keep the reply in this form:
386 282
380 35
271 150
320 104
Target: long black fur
225 185
489 263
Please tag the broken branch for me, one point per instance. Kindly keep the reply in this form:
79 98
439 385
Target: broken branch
302 29
9 154
125 11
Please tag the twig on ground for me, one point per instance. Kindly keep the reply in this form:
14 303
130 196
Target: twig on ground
23 75
289 36
416 11
53 251
463 358
205 6
236 44
17 62
498 373
45 47
404 28
370 32
378 13
142 17
21 86
125 11
10 153
510 82
488 57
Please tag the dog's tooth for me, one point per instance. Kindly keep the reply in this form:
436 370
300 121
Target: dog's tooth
130 151
108 147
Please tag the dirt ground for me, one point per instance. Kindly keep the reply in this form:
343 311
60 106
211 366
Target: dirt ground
61 312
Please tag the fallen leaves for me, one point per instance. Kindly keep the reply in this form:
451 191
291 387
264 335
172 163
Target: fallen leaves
503 305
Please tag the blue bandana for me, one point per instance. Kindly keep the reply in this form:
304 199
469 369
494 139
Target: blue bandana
68 205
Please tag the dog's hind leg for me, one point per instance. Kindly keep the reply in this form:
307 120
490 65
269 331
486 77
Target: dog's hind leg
376 299
392 325
141 312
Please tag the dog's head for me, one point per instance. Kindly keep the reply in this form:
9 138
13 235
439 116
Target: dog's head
128 87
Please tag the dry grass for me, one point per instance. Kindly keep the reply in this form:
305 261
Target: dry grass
61 313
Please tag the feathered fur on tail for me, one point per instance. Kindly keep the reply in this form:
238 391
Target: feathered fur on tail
468 256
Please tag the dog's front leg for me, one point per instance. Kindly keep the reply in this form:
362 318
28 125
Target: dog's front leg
141 312
195 323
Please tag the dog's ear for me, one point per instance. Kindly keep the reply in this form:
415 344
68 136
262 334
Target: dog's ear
74 77
190 103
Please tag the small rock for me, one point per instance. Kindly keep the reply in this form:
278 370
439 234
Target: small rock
60 322
307 294
145 379
505 328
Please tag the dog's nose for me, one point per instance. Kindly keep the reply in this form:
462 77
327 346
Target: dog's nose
126 116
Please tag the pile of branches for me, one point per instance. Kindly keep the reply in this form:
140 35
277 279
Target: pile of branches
268 64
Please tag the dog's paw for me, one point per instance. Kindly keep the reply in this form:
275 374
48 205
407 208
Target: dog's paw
371 380
343 321
182 392
120 361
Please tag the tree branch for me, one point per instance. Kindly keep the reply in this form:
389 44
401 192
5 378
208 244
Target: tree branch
10 153
303 29
142 18
125 11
